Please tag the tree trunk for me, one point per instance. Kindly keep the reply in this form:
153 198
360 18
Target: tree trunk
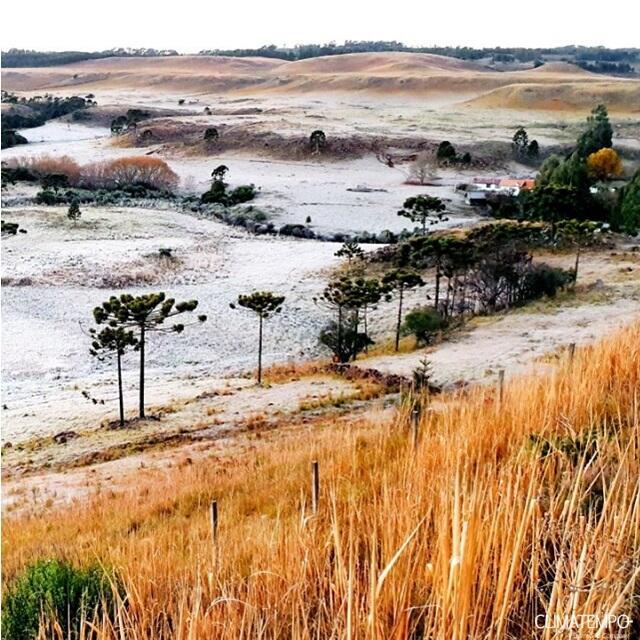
399 320
340 333
366 329
446 303
354 345
141 403
456 284
437 296
260 353
575 270
120 397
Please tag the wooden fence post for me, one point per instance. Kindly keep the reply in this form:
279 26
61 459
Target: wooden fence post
572 353
214 521
501 385
315 486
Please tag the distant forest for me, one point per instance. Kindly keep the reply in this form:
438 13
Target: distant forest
597 59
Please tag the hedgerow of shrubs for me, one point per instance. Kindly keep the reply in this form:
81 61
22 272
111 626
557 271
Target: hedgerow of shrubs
152 173
51 592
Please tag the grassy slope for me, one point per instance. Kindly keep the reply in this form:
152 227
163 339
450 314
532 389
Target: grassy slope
466 537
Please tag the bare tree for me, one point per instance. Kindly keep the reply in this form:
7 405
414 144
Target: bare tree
421 170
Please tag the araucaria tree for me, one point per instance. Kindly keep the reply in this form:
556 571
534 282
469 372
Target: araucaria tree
113 340
74 212
219 173
317 140
350 250
264 304
401 280
145 314
344 297
423 209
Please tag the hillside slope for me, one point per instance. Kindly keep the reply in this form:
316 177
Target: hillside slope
468 533
551 86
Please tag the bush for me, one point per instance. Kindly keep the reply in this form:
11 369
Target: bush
423 323
344 342
627 213
137 170
41 166
218 194
446 152
11 138
48 197
11 175
57 591
543 280
243 193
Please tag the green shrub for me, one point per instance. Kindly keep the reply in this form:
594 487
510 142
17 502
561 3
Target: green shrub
11 138
543 280
217 194
240 194
11 175
627 213
423 323
48 197
54 590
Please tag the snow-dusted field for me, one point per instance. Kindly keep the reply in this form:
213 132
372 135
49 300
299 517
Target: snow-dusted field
290 191
57 273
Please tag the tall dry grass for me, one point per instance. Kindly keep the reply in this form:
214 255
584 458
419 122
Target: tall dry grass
499 514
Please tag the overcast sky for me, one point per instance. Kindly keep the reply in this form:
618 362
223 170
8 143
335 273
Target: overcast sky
192 25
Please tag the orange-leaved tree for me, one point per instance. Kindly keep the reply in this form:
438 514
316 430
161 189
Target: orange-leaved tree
604 164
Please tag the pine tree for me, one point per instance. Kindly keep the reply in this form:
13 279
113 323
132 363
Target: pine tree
264 304
146 314
423 209
599 133
113 341
74 212
401 280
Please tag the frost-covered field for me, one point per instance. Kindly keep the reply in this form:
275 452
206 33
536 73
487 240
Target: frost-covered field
327 192
57 273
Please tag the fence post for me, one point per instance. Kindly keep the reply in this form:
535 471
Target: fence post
572 353
415 420
501 385
214 521
315 486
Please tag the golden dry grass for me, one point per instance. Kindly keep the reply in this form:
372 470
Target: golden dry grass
555 86
500 512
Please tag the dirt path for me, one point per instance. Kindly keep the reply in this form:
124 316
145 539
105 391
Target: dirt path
512 342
